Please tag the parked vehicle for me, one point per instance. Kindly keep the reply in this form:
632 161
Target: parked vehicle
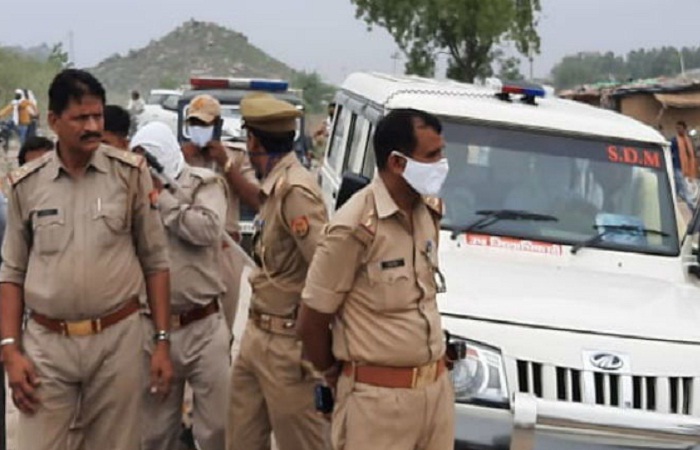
570 272
161 106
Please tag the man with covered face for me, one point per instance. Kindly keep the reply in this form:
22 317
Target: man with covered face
194 216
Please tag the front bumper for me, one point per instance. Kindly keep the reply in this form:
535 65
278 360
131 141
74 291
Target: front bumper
534 423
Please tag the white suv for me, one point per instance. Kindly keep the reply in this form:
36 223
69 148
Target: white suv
161 106
568 265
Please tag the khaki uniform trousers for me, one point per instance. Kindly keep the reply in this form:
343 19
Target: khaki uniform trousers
231 272
370 417
200 355
272 392
99 374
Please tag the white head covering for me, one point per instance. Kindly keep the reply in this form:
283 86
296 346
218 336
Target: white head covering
158 140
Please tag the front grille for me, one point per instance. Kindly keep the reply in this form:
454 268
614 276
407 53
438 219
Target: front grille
661 394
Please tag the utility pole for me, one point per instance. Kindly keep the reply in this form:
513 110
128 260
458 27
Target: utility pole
395 56
71 48
680 54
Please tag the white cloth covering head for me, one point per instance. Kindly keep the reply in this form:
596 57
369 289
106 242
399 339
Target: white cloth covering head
158 140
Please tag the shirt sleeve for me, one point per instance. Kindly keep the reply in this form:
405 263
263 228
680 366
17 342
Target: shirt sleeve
147 227
305 215
248 171
333 269
16 244
201 222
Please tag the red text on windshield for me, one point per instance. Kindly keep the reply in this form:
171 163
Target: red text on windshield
635 156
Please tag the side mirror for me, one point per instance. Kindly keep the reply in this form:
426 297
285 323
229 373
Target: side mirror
350 184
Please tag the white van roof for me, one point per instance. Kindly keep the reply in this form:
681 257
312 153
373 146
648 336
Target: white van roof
462 100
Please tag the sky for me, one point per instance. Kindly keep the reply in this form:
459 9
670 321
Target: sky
325 36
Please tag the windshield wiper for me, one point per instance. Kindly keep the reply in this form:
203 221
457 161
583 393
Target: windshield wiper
612 229
493 216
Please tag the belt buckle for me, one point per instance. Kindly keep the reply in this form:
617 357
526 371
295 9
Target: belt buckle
265 321
81 328
424 375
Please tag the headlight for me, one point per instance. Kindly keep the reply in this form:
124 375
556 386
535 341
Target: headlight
479 377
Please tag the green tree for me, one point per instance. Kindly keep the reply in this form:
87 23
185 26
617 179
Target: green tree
510 69
467 30
316 93
59 57
583 68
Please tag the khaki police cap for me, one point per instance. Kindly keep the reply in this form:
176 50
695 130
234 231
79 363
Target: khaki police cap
266 113
204 107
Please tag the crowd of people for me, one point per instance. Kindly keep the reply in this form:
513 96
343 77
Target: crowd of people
23 114
121 272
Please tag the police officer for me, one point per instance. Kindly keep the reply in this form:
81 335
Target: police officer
271 388
373 280
117 125
232 163
82 237
194 217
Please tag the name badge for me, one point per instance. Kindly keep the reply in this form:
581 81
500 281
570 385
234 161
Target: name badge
393 264
47 212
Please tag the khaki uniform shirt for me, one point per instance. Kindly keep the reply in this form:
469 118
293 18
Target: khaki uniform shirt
80 247
287 230
242 163
195 225
378 276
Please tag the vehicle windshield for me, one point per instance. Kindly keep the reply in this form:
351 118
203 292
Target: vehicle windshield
586 184
155 99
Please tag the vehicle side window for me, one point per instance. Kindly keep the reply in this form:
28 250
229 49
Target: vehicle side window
356 144
370 162
336 149
170 102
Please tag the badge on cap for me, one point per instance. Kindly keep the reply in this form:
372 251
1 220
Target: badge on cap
300 226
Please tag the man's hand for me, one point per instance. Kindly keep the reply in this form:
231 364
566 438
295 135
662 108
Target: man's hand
216 152
190 152
157 183
332 374
23 380
161 370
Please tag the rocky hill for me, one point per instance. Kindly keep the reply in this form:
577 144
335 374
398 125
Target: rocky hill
194 48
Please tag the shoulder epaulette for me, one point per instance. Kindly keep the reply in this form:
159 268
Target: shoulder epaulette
130 158
281 185
435 205
24 171
366 228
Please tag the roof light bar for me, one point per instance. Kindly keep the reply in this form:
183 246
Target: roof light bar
240 83
529 91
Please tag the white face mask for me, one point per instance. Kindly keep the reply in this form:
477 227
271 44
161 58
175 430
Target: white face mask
200 136
425 178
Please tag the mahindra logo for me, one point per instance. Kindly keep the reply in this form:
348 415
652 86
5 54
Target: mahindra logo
607 361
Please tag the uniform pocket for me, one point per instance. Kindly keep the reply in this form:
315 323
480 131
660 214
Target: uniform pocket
285 354
393 286
50 231
109 223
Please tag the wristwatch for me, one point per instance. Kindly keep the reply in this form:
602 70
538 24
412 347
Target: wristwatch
161 335
7 341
